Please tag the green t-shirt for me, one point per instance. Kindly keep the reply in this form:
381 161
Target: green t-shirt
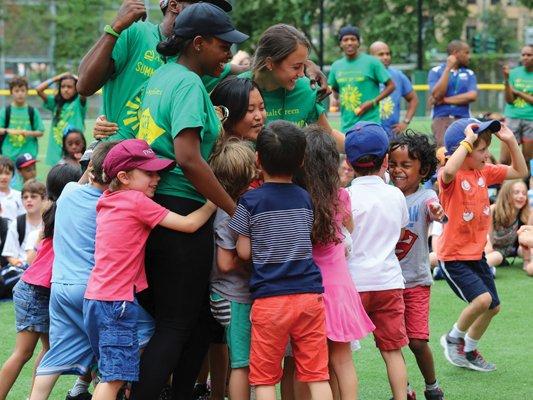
175 99
136 59
15 145
299 105
73 114
357 80
521 80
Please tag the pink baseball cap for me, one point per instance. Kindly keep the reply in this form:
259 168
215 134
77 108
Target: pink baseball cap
133 153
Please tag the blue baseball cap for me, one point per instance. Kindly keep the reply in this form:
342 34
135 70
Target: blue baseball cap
364 139
456 131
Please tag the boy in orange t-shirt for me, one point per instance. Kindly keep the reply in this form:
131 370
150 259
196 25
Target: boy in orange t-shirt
463 183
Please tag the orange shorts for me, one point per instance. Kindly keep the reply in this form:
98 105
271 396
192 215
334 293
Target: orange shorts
275 320
386 310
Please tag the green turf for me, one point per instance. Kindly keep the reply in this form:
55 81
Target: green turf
507 343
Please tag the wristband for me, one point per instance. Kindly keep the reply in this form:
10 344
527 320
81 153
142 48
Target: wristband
109 29
467 146
406 121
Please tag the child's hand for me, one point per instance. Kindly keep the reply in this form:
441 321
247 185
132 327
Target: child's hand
505 134
211 206
436 211
470 135
103 128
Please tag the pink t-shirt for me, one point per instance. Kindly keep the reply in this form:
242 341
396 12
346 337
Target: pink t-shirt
123 223
40 271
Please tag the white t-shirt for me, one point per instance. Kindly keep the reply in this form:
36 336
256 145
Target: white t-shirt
12 247
379 212
11 204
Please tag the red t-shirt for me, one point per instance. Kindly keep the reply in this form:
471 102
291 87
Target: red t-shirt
40 271
123 223
466 203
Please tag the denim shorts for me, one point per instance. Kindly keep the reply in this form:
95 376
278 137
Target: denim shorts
112 330
31 307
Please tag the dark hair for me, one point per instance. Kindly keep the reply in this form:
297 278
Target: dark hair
97 161
277 43
33 186
375 164
234 94
70 130
172 45
486 136
321 180
419 148
281 148
56 180
18 81
60 100
6 163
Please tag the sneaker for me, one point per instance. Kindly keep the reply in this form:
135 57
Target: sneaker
411 395
434 394
81 396
454 350
438 275
478 363
166 393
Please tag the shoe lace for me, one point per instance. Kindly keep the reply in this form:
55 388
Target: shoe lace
479 358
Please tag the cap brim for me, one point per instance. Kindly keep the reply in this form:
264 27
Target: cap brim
233 36
491 126
157 164
222 4
27 164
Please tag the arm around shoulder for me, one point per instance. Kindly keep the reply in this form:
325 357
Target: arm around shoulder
189 223
244 248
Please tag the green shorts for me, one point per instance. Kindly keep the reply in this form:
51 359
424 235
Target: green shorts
238 332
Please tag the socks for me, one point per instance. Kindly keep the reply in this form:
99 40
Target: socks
456 333
79 387
432 386
470 344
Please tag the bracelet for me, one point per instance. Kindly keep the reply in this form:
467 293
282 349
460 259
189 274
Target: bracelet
467 146
406 121
109 29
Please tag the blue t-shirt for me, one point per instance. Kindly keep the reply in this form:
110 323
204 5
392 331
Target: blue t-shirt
278 218
74 234
389 107
461 81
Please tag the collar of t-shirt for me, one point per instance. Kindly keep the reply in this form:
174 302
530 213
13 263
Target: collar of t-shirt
368 179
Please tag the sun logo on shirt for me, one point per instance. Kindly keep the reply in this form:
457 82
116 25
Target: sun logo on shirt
519 103
351 98
17 140
148 129
132 112
386 108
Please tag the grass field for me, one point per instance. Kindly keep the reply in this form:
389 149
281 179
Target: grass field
507 342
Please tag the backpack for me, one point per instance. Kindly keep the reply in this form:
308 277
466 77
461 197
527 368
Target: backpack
21 227
4 226
7 120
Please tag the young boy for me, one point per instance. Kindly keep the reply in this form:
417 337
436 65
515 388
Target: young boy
412 161
274 225
25 164
381 214
10 199
125 216
20 124
33 195
463 183
234 166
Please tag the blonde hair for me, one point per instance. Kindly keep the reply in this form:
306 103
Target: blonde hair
505 214
233 163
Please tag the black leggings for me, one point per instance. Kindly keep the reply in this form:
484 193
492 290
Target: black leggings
177 267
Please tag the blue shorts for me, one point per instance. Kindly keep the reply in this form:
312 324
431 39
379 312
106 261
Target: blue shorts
31 307
470 279
112 330
70 350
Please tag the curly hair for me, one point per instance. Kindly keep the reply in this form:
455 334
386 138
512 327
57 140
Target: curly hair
320 178
505 213
419 148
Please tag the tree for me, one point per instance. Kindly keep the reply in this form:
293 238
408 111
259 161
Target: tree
499 30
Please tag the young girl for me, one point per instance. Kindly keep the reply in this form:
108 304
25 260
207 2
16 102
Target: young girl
32 292
509 213
74 145
126 215
278 70
68 108
346 319
412 161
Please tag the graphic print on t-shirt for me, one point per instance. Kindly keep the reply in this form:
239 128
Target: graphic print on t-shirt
148 129
405 244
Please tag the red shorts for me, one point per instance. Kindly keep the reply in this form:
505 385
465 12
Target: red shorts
416 301
386 310
299 317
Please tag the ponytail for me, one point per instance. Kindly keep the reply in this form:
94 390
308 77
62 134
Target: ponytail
172 46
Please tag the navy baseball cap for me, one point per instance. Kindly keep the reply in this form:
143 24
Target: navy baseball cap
209 20
25 160
364 139
456 131
220 3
